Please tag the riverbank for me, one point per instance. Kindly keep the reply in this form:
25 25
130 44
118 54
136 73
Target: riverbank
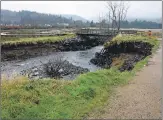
14 48
54 99
139 99
11 69
8 42
26 48
124 52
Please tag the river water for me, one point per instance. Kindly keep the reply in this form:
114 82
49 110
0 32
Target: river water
77 58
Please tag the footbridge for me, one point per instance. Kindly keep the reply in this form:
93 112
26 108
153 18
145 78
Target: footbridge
103 32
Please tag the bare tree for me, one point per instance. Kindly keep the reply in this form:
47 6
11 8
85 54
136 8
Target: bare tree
108 21
103 23
100 21
117 12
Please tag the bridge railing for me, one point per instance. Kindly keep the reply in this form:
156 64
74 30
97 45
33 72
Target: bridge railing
96 31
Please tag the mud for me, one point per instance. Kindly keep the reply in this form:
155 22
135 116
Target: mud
11 69
26 51
136 51
65 70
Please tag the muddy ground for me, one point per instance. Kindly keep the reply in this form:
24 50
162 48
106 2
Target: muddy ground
126 54
77 59
23 51
30 59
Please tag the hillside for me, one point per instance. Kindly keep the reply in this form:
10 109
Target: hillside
40 19
74 17
33 18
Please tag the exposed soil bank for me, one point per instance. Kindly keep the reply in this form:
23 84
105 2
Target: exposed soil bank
125 55
24 51
140 98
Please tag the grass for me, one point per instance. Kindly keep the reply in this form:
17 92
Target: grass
133 38
36 40
54 99
58 99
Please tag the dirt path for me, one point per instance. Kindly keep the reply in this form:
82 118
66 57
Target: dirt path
140 99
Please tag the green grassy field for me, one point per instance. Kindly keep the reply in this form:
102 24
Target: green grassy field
54 99
49 39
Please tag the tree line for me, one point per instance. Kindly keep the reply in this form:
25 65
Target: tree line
141 24
40 20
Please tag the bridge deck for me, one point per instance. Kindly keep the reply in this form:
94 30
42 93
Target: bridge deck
103 32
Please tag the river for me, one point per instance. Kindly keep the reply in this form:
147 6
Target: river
77 58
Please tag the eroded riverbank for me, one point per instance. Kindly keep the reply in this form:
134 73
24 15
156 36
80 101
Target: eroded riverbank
65 99
80 56
30 58
25 50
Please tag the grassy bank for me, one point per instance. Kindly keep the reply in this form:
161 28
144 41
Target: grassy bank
134 38
34 40
51 99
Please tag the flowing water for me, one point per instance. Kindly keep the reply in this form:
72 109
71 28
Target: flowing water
77 58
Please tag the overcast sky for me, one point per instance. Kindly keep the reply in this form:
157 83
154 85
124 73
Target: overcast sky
86 9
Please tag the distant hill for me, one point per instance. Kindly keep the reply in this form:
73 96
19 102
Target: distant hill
74 17
35 18
41 19
8 16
